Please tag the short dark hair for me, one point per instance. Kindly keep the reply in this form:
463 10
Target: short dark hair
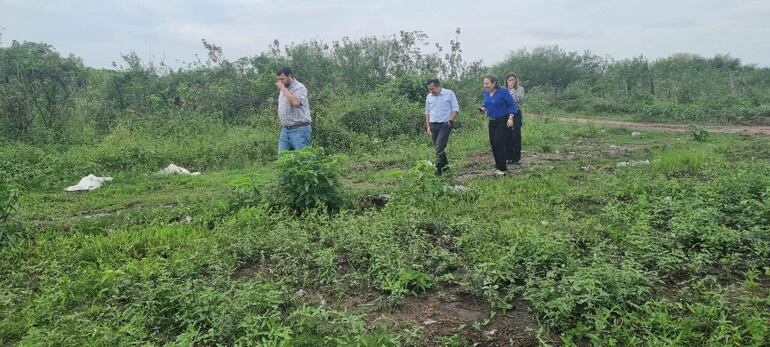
433 81
283 70
493 79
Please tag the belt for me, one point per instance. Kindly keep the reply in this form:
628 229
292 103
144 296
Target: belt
439 122
295 126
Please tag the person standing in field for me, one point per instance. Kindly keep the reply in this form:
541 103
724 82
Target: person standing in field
293 111
500 108
517 91
441 109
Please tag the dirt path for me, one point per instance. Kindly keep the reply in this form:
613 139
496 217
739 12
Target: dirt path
481 164
723 129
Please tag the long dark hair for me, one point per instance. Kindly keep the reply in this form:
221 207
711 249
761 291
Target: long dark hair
493 80
509 75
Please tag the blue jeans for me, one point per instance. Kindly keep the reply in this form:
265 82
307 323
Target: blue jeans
294 139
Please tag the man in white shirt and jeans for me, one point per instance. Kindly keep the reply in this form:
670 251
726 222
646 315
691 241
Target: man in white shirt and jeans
441 109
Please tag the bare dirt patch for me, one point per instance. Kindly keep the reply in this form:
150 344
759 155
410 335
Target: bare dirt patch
250 270
459 313
436 315
482 164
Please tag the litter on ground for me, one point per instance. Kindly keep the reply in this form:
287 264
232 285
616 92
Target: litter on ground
172 169
87 183
633 163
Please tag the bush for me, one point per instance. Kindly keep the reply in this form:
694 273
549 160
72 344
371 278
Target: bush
328 134
378 116
308 179
539 100
411 87
698 133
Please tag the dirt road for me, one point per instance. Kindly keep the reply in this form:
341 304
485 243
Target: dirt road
724 129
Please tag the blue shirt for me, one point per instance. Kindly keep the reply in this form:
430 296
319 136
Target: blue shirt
501 104
440 107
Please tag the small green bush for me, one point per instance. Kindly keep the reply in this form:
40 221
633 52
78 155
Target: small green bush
411 87
698 132
406 282
379 116
309 179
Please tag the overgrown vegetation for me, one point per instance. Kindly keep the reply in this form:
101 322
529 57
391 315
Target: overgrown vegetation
682 87
10 227
577 249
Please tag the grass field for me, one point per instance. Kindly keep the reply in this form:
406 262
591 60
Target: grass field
571 248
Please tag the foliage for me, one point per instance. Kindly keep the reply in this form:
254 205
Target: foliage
674 253
309 179
669 255
10 227
680 161
698 133
38 89
377 116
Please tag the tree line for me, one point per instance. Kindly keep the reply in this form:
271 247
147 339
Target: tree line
47 98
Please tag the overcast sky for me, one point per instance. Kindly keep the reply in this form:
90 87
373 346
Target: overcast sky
171 30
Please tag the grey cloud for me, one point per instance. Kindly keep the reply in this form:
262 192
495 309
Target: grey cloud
99 31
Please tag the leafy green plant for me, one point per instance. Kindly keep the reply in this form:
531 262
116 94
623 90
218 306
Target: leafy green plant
576 296
10 228
379 116
406 281
420 184
698 132
309 179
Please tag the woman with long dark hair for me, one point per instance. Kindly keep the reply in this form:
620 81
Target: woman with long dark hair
517 91
500 108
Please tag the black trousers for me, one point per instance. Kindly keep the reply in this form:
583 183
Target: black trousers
440 138
514 147
499 138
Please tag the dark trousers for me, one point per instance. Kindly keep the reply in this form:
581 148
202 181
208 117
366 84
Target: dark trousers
440 138
514 147
499 138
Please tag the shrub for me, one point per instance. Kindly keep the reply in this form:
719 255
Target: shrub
698 132
406 282
309 179
411 87
328 134
379 116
